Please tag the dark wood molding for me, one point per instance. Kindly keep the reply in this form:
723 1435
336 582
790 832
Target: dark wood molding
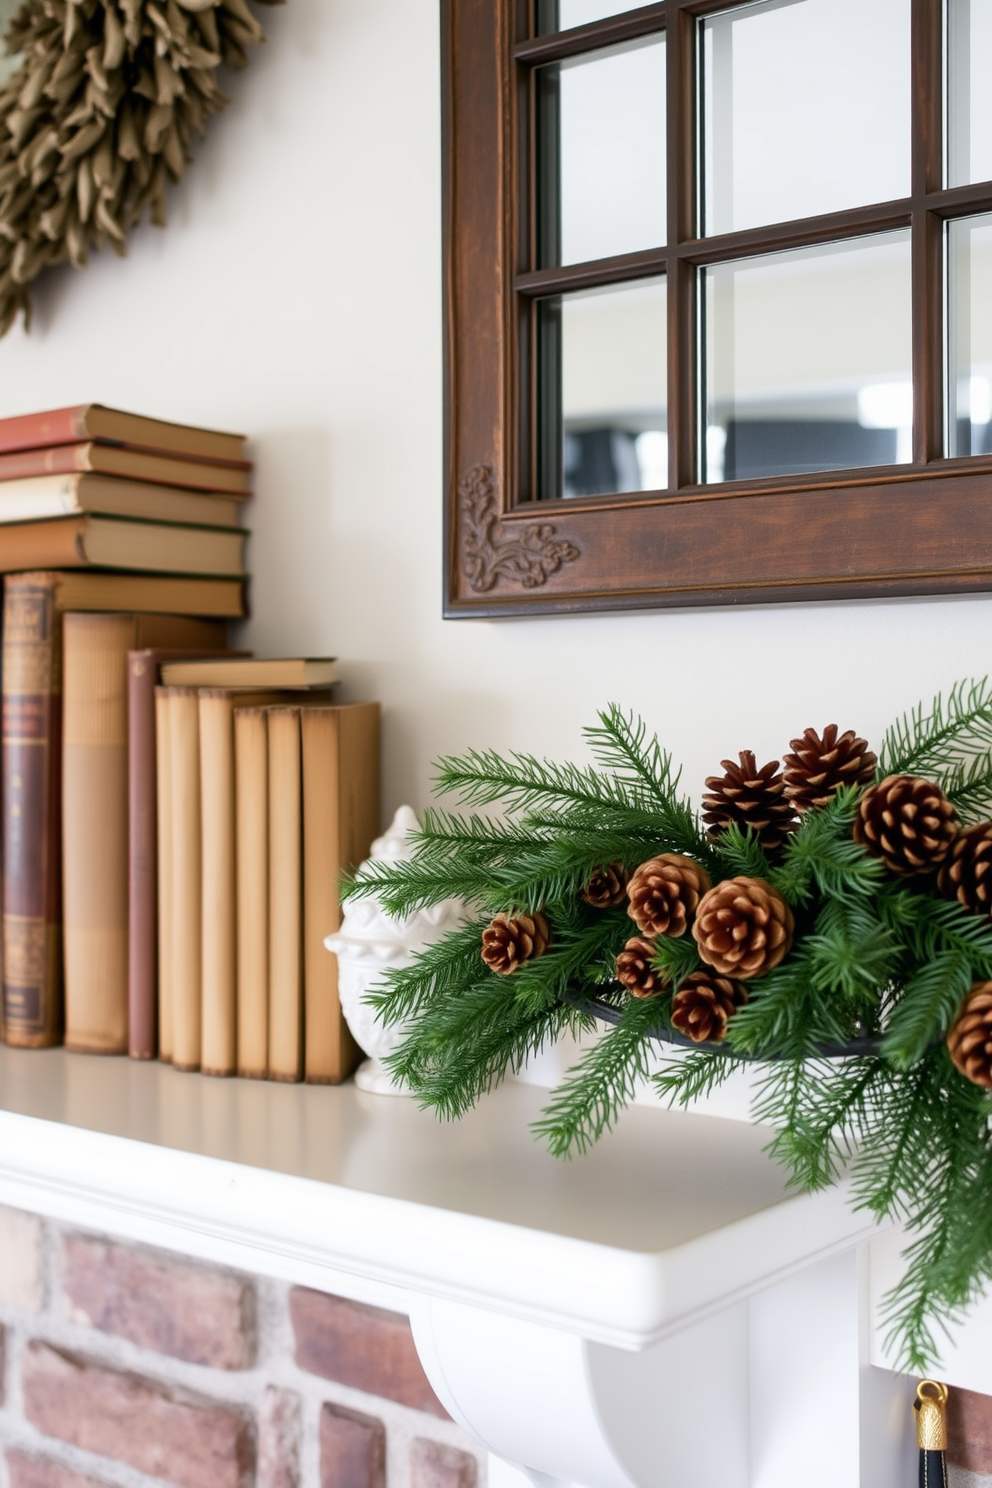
919 529
495 554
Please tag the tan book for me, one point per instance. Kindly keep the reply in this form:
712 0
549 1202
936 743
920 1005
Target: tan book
187 1002
166 928
341 805
112 542
218 875
40 496
151 594
251 755
295 672
95 813
285 896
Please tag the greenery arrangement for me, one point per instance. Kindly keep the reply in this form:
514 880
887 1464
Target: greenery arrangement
98 117
830 920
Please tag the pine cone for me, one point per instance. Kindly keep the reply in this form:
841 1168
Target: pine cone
752 798
703 1003
969 1041
636 969
507 944
607 887
907 822
664 892
819 767
743 927
967 871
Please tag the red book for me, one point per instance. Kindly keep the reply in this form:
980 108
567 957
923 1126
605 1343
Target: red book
132 464
92 421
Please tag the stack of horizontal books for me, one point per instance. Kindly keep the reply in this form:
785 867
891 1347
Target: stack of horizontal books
106 496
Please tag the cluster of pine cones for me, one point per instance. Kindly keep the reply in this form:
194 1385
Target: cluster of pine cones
742 926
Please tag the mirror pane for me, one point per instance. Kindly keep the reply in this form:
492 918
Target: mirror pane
603 375
969 262
562 15
601 150
808 360
792 91
969 100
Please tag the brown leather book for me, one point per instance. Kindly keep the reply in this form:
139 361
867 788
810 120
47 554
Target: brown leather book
149 594
132 464
341 805
32 828
164 832
285 896
93 421
251 766
143 845
187 888
95 813
111 542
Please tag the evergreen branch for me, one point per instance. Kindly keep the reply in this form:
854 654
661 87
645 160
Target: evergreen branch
596 1090
482 777
689 1077
438 973
618 743
928 1003
678 956
740 854
823 856
934 744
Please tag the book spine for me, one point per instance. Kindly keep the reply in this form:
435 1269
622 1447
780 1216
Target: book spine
142 889
163 856
187 894
340 751
218 936
285 896
35 430
95 831
252 878
32 830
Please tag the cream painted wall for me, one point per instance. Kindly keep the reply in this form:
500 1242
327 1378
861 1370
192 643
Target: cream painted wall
297 295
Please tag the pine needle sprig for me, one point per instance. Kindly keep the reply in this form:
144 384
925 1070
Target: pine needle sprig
439 973
679 958
739 854
823 858
935 744
594 1092
520 781
819 1108
689 1077
924 1010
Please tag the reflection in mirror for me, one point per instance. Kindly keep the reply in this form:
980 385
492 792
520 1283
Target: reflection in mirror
969 96
601 152
562 15
603 415
8 65
808 360
782 140
969 337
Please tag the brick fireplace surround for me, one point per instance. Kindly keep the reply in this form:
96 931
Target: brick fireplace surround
125 1367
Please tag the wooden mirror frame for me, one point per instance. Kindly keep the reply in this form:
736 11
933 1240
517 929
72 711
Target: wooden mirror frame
919 528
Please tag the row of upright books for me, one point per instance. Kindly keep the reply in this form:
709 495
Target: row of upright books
132 828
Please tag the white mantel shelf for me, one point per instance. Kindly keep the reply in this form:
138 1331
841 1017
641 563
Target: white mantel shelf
547 1298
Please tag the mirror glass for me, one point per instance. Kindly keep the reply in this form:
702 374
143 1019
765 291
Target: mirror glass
562 15
784 138
601 154
808 360
969 335
603 368
969 100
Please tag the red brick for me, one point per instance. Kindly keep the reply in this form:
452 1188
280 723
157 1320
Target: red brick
174 1307
279 1439
42 1472
969 1430
352 1449
434 1465
364 1347
192 1443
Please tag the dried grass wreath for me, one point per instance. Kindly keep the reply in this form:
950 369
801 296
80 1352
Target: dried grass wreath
98 118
